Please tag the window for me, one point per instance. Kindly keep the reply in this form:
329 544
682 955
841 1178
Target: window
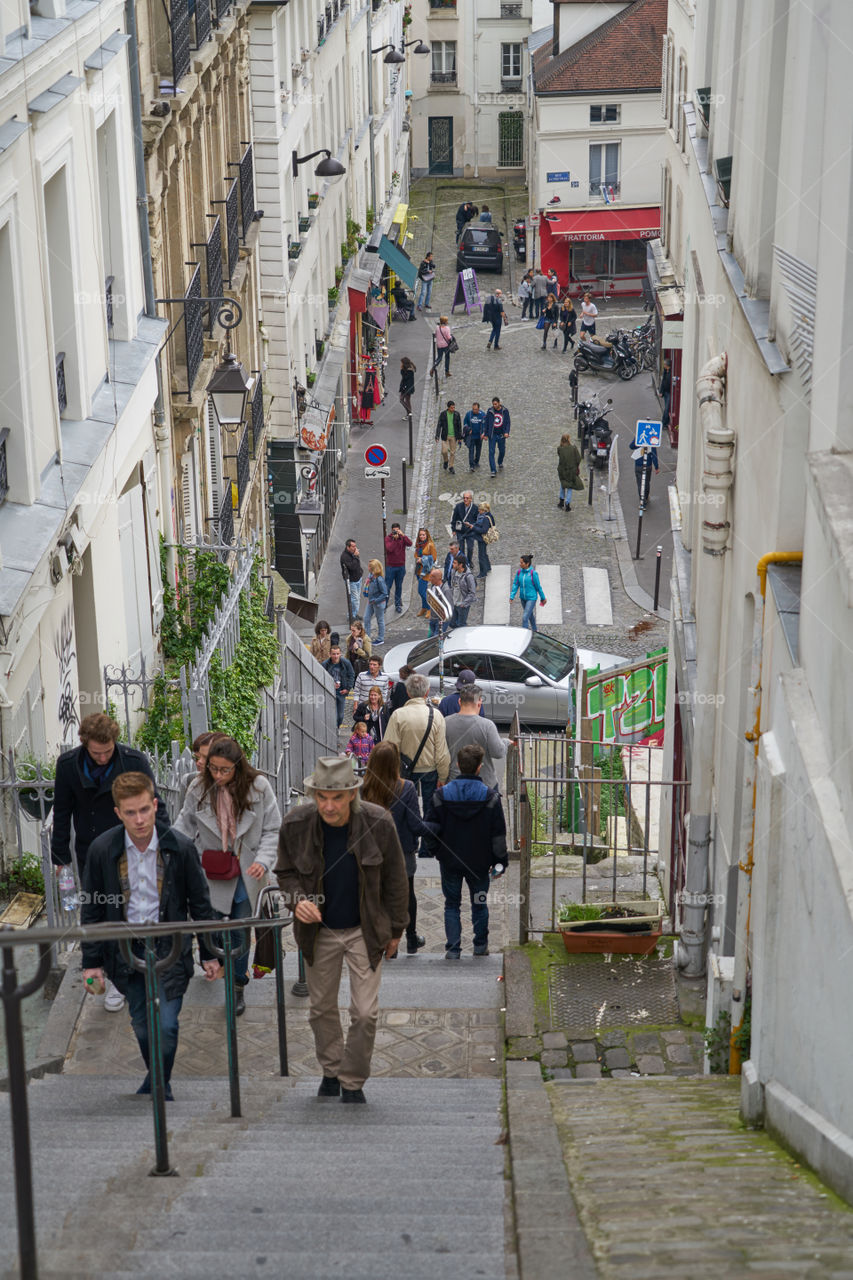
510 140
508 670
444 62
553 658
511 10
608 114
604 169
510 61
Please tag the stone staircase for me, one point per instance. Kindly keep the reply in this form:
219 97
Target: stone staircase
411 1185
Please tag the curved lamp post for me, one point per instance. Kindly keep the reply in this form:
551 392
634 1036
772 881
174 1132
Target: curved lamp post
327 168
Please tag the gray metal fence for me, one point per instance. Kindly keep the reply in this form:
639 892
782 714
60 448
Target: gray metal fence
309 699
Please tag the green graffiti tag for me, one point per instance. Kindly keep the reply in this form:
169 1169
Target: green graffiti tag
629 704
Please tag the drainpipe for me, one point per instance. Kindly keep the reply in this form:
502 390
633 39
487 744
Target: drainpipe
476 60
162 433
746 867
719 442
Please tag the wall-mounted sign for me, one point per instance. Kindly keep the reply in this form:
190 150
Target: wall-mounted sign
560 176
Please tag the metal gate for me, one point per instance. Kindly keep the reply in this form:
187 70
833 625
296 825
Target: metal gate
440 144
511 140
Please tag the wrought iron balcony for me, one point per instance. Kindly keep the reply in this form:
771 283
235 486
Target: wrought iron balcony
247 189
108 298
510 10
243 468
225 518
203 21
597 190
232 228
61 389
213 267
511 84
330 17
443 77
179 25
442 4
321 30
257 416
193 328
222 7
4 470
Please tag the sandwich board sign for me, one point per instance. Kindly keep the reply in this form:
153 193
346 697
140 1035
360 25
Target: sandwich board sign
467 292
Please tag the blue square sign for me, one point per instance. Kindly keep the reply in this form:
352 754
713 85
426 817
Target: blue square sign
648 433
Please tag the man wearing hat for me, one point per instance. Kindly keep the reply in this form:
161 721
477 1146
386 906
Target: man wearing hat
341 870
449 705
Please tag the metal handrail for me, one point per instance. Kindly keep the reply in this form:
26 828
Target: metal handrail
13 992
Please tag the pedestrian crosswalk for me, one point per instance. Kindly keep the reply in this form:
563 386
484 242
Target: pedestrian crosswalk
498 612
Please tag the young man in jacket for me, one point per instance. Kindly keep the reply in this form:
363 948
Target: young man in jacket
463 593
447 568
470 843
462 521
449 431
396 543
497 430
353 575
83 792
340 669
341 870
496 316
473 427
426 275
136 874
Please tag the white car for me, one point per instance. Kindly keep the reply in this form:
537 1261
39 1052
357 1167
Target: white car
517 669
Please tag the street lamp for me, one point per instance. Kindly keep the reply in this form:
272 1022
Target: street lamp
327 168
309 512
420 47
393 57
229 390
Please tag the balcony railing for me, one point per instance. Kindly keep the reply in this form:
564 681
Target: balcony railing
179 24
510 10
222 7
203 22
247 189
225 518
604 190
321 30
61 389
257 418
442 4
212 267
193 328
4 469
232 228
330 17
443 77
243 468
511 84
108 299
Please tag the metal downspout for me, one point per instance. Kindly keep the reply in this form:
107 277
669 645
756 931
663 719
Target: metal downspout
719 441
746 867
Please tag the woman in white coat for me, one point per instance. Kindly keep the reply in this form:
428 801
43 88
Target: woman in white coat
230 807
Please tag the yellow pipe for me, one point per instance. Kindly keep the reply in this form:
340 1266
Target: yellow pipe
754 736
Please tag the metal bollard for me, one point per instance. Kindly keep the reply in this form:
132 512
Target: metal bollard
405 496
657 579
591 482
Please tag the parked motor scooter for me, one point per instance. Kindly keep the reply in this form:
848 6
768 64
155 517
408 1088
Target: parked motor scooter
589 413
601 438
519 240
613 357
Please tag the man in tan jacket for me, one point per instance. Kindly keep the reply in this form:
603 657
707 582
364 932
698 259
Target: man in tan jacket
418 730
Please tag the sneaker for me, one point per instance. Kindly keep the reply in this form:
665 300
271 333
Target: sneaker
500 466
493 474
352 1095
330 1087
482 951
453 955
399 609
113 998
414 944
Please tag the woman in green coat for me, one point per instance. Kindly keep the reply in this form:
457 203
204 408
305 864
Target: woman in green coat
568 469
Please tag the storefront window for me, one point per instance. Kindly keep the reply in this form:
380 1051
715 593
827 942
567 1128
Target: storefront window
590 259
629 257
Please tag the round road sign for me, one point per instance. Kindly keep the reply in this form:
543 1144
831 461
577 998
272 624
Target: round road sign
375 455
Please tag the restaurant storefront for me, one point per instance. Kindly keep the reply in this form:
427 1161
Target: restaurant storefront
603 250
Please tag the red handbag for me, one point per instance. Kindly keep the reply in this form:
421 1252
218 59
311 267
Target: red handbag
220 864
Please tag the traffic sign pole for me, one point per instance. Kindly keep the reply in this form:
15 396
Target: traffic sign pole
384 510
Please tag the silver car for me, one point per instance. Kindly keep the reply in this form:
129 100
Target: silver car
517 669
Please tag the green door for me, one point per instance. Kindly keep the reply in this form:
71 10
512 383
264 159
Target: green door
440 144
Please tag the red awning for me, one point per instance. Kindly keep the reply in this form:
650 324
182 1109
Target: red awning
606 223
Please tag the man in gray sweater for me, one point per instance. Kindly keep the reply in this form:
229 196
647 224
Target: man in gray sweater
467 726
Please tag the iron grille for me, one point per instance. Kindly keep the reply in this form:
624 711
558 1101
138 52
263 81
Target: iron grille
4 469
222 7
269 603
194 328
61 389
257 414
444 77
321 30
202 22
247 189
243 469
213 267
510 140
510 10
225 519
179 23
232 227
108 298
442 4
329 17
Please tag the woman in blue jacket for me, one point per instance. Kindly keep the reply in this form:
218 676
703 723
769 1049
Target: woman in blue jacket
383 786
376 595
528 588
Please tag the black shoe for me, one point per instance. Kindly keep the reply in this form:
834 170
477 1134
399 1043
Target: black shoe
414 944
561 503
352 1095
452 471
239 1002
481 951
453 955
145 1089
446 464
330 1087
568 506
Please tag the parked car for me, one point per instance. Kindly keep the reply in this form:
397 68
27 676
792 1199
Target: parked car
517 669
480 247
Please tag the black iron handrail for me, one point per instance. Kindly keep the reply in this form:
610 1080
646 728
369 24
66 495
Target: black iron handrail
108 298
225 516
13 992
61 388
4 466
257 414
203 22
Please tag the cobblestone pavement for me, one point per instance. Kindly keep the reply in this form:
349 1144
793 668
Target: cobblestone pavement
668 1182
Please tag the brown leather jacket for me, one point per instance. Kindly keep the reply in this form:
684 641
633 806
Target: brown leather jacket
383 884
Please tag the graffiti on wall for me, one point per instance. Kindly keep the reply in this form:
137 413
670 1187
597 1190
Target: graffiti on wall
628 704
63 644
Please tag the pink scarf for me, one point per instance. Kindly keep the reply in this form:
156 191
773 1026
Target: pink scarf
225 817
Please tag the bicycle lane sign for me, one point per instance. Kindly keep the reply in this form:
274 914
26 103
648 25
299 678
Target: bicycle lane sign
648 435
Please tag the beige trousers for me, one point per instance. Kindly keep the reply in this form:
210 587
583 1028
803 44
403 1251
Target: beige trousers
349 1061
448 449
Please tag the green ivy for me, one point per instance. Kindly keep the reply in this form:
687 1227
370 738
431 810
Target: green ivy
24 876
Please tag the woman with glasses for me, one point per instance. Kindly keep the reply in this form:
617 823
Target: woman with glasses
230 811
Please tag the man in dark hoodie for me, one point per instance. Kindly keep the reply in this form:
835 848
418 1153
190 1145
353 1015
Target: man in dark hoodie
470 845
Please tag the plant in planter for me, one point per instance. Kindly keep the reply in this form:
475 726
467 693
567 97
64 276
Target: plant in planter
345 252
370 219
295 249
407 16
622 928
319 348
339 274
313 199
333 295
310 377
29 768
304 224
395 178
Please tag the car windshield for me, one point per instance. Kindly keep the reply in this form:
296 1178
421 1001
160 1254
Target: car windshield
553 658
475 235
423 652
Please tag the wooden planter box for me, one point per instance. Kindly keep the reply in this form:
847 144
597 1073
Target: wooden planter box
635 935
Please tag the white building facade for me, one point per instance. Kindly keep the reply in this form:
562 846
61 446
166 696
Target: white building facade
759 698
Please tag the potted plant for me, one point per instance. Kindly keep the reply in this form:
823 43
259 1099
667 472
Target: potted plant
395 178
345 255
333 295
370 219
304 223
313 199
310 377
339 274
29 768
295 249
622 928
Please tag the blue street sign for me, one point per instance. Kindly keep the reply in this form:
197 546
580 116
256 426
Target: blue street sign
561 176
648 433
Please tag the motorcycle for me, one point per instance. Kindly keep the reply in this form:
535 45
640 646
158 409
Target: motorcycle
614 357
600 443
590 412
519 240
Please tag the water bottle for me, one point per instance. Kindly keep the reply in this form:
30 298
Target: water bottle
67 889
497 870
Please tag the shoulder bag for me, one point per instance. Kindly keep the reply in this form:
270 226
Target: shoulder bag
220 864
407 763
452 345
491 535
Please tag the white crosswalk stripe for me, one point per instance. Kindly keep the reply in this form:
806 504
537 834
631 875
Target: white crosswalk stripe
496 606
596 591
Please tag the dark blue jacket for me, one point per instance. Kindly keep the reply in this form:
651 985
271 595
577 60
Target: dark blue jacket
346 676
502 428
470 830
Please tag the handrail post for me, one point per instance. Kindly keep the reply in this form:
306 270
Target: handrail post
162 1168
281 1013
231 1024
300 986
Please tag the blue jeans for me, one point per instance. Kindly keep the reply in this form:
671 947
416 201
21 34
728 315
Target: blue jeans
169 1010
241 909
484 564
459 617
354 589
498 442
427 783
422 590
525 303
566 494
528 614
424 292
340 706
475 448
375 608
495 335
442 353
478 890
394 581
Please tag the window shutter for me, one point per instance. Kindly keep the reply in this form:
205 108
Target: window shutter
130 519
664 78
188 508
152 533
214 462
